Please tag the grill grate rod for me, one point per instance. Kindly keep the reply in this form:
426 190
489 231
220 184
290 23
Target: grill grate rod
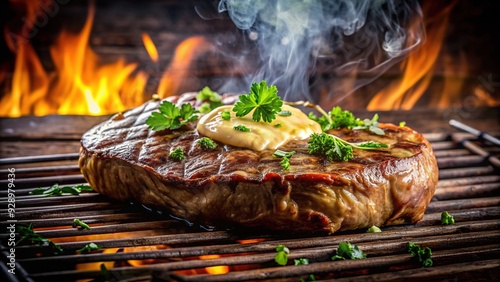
39 159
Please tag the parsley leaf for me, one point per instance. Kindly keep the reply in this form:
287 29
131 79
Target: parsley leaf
337 149
55 190
347 250
89 247
27 234
371 125
78 223
171 117
447 218
309 278
177 154
424 255
263 99
281 257
207 143
241 127
211 98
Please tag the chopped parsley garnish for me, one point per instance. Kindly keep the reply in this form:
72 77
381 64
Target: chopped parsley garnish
28 235
211 98
55 190
78 223
301 261
284 113
347 250
402 124
373 229
424 255
338 118
207 143
281 257
447 218
177 154
241 127
226 115
89 247
278 125
263 99
285 163
171 117
336 149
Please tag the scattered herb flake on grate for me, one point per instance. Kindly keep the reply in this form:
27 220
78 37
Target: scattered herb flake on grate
89 247
207 143
263 99
281 257
55 190
373 229
171 117
424 255
309 278
241 127
177 154
347 250
301 261
28 235
79 223
447 218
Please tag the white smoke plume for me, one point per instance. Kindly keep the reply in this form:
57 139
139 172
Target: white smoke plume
298 40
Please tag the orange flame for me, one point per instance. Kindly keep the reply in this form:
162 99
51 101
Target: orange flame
179 67
80 85
418 67
150 47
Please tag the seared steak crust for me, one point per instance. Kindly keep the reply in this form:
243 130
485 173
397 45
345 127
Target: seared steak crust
232 186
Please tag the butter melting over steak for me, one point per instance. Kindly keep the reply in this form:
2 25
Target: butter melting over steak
232 186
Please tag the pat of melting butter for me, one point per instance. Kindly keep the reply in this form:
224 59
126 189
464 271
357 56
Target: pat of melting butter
262 135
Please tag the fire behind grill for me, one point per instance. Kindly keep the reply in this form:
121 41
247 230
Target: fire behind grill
145 245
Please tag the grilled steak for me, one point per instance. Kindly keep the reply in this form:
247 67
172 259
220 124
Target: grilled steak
233 186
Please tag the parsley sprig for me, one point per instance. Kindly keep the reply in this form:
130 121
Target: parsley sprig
337 149
263 99
171 117
28 235
338 118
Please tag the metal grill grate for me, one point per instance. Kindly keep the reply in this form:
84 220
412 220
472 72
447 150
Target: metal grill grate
144 245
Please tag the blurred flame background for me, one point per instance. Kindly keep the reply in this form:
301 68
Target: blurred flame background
71 77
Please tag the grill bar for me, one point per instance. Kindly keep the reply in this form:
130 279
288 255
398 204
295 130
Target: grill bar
145 245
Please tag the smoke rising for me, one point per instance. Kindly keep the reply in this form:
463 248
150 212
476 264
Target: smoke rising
298 41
